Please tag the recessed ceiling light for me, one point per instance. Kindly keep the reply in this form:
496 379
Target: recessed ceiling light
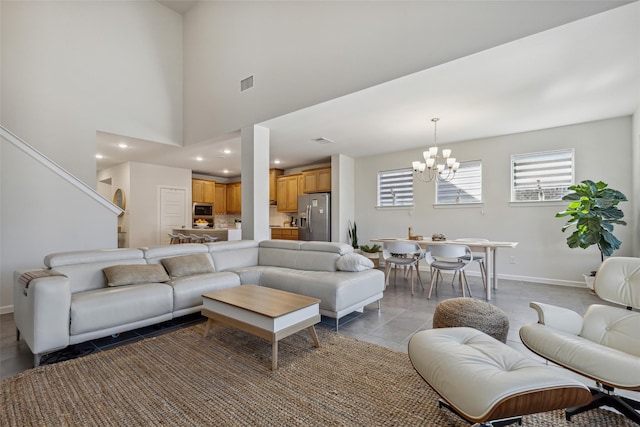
276 161
226 151
122 145
99 156
199 158
225 171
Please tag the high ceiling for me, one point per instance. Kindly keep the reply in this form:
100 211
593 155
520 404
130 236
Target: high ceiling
582 71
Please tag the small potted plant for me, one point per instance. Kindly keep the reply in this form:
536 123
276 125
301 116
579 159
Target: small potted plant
352 233
238 223
372 252
593 210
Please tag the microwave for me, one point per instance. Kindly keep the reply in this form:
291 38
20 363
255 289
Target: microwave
202 210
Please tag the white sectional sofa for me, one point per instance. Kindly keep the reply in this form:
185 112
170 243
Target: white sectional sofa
91 294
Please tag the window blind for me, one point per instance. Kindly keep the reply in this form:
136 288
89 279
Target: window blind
465 187
395 187
541 176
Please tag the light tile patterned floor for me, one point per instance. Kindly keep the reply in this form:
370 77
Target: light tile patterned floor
401 315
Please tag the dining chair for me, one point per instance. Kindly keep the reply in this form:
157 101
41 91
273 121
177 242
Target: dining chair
209 239
406 254
194 238
448 257
175 239
184 238
477 257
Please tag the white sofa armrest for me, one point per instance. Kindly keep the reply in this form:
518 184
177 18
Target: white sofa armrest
558 318
41 312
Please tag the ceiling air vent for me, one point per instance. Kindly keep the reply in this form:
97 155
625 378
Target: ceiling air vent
246 83
323 140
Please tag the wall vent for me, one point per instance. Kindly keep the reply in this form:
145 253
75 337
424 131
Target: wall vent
246 83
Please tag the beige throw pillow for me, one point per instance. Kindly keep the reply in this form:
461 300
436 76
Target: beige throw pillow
120 275
187 265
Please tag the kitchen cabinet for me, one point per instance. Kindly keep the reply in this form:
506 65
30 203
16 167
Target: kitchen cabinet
234 198
284 233
317 180
273 184
220 203
203 191
287 192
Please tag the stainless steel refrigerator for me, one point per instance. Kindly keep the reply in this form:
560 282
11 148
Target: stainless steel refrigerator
314 217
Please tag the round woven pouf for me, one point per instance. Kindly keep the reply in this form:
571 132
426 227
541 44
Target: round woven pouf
472 313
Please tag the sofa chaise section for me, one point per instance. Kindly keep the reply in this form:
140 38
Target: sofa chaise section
306 268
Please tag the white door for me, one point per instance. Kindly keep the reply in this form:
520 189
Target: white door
173 211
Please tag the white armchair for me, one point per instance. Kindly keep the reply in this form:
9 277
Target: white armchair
604 344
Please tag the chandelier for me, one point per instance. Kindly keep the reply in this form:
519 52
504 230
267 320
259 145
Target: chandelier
440 166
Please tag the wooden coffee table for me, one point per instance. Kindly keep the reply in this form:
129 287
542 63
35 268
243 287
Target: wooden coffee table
267 313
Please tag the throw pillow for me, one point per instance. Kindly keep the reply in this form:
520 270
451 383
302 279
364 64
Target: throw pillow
120 275
354 262
187 265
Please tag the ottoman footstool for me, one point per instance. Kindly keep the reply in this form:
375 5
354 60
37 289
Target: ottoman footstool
482 379
472 313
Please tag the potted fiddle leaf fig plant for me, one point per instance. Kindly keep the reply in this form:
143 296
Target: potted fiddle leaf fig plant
593 211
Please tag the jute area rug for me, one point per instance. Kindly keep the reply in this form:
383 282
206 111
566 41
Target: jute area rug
183 379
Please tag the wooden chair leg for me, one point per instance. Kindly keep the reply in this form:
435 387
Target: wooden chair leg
418 274
411 273
387 271
464 276
433 277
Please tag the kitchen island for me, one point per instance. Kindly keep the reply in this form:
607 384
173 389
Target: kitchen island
223 234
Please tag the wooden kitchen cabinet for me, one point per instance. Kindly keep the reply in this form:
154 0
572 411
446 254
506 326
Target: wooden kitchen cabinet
284 233
220 203
234 198
273 184
317 180
203 191
287 193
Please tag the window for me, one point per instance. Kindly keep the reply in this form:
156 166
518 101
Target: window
465 187
395 187
541 176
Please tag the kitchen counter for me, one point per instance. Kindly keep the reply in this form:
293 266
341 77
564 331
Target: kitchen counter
223 234
282 227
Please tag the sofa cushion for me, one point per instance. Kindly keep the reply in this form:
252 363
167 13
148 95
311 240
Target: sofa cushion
187 265
187 291
354 262
132 274
336 290
110 307
234 254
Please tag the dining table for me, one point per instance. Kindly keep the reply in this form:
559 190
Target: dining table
487 246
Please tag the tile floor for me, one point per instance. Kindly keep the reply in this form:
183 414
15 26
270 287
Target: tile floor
401 315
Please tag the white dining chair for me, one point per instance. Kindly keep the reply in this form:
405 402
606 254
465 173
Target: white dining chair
448 257
405 254
477 257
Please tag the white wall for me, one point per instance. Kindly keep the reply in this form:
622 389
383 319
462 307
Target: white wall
42 213
602 152
635 195
71 68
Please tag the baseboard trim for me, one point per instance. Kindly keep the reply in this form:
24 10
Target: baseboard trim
531 279
6 309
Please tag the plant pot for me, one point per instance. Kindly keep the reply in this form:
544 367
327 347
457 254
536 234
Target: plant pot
238 225
373 256
589 280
